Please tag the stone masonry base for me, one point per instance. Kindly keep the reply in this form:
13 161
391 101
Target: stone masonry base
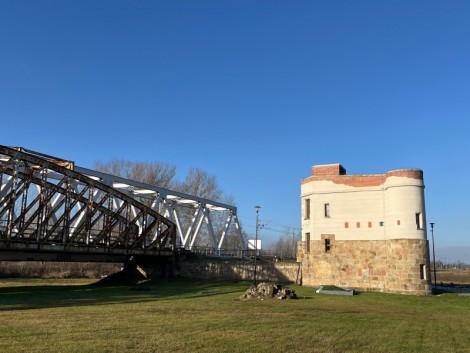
397 266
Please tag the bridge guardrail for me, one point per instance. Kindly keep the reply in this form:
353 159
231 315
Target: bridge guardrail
266 255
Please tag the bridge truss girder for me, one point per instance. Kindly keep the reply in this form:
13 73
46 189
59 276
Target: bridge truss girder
46 204
176 205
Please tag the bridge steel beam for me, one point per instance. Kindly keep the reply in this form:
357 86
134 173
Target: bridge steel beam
175 205
47 205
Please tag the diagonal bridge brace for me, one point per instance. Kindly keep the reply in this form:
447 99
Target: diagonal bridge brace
45 201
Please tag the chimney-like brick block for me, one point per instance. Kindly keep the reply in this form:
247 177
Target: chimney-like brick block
328 169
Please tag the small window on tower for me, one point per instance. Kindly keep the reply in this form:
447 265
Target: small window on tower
307 242
419 220
327 245
307 208
422 271
327 210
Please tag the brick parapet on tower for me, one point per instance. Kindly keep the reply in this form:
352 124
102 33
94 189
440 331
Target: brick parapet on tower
336 173
406 173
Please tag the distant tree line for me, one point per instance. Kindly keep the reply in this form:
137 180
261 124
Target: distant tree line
285 247
40 269
454 265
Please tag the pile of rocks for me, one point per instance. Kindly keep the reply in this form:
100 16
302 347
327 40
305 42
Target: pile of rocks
268 291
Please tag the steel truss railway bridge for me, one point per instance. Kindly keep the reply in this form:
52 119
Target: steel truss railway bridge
52 210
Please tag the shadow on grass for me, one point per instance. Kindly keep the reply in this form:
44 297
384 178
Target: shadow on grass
50 296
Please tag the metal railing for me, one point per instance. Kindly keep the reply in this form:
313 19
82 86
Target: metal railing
267 255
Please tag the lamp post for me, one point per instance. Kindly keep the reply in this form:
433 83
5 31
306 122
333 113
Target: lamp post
433 254
256 243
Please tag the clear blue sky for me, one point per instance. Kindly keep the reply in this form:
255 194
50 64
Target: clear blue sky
254 92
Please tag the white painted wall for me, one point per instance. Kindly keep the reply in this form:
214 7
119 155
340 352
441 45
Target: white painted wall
399 198
404 197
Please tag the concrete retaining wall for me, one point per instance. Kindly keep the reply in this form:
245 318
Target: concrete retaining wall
239 269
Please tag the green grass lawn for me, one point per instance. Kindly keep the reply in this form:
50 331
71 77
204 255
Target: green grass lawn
192 316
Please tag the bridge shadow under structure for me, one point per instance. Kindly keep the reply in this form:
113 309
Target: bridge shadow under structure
51 212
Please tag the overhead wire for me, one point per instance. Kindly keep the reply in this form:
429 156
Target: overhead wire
265 226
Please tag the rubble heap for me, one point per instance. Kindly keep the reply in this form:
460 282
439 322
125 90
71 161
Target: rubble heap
268 291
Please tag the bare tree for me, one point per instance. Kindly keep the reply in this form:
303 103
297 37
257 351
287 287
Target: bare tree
286 245
200 183
153 173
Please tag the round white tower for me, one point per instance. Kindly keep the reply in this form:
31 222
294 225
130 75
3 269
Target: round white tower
404 205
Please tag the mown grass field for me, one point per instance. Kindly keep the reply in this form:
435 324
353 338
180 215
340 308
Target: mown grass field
191 316
455 276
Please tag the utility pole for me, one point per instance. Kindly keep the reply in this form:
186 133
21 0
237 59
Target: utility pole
256 242
433 254
294 244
